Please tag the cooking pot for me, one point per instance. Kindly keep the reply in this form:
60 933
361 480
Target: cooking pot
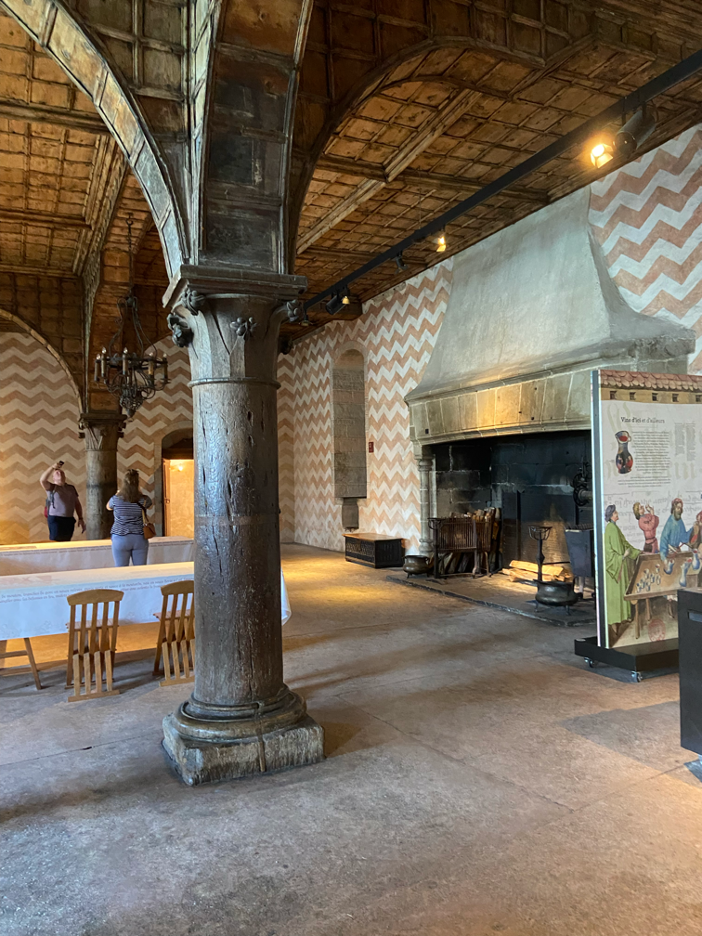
556 593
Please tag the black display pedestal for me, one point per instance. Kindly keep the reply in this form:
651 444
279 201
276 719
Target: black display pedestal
638 660
690 630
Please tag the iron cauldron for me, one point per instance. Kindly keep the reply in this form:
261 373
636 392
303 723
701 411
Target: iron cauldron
558 594
417 565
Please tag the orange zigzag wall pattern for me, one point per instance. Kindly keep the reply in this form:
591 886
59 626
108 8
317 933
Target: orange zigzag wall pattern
647 218
38 426
396 336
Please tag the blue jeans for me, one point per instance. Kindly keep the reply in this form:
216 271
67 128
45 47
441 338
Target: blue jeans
133 546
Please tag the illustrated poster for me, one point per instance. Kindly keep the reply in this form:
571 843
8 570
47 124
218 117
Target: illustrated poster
647 446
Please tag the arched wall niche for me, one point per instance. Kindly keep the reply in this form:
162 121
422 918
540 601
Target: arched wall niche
349 433
178 432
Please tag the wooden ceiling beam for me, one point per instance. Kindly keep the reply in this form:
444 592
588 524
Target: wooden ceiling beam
445 117
428 181
40 219
26 270
58 116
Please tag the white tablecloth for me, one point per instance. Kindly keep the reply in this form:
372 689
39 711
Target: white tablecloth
35 605
26 558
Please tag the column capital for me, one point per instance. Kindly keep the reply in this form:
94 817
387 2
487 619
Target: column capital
229 318
232 281
101 430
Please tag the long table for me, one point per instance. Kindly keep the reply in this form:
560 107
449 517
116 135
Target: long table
26 558
35 605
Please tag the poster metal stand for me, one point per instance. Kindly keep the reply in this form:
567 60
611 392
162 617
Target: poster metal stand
646 443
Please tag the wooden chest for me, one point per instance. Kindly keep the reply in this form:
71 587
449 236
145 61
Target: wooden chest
372 549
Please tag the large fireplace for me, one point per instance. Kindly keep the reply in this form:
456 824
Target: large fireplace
501 416
529 477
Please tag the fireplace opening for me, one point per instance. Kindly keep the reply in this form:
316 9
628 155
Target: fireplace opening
529 477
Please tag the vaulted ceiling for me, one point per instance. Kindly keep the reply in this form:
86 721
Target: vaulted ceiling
441 123
405 107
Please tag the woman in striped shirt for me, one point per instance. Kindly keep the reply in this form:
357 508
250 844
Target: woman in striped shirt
129 506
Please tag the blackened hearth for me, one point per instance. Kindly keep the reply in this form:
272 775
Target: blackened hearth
529 477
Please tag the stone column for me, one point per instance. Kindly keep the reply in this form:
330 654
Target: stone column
101 432
241 718
425 465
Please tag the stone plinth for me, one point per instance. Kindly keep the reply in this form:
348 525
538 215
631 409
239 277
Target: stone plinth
207 762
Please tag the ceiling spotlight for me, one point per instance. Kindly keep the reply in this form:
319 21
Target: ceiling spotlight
401 265
305 320
634 132
335 303
441 242
601 153
345 298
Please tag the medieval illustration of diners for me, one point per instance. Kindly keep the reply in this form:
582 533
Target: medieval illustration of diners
648 524
675 534
619 555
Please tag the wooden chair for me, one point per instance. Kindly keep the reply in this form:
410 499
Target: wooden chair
176 636
28 652
92 639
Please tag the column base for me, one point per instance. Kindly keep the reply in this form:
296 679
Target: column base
241 751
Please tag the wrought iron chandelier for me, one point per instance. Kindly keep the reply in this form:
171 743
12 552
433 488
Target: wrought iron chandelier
132 376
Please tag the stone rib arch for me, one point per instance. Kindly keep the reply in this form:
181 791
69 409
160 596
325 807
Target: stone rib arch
59 32
45 343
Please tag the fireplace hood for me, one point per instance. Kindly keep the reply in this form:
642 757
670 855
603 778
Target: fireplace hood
532 310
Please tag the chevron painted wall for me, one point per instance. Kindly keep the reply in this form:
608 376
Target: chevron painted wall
647 217
169 409
38 425
286 447
396 336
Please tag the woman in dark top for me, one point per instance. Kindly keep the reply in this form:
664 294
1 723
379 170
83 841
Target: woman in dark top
128 506
62 503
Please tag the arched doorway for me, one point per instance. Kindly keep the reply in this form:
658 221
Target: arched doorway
178 474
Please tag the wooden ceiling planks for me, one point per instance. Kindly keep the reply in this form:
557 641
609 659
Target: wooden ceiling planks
506 110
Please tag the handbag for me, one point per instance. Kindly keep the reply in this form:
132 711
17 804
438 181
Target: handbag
149 528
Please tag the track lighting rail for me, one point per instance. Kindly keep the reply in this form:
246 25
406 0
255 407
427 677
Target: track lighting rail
626 105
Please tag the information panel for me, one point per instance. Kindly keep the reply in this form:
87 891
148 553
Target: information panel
647 446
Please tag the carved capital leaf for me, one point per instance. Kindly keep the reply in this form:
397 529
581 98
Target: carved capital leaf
182 332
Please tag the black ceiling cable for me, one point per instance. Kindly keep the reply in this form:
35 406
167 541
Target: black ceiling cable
631 103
